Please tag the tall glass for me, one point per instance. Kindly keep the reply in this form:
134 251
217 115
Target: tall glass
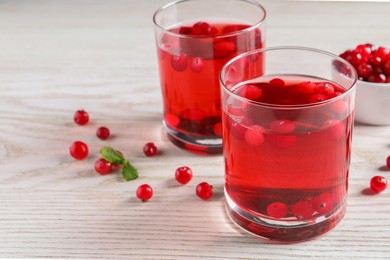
287 128
194 39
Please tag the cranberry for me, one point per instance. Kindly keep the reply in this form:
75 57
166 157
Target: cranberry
222 49
377 78
386 67
277 82
179 62
204 190
183 174
318 97
144 192
323 203
364 70
81 117
103 133
375 61
203 28
364 49
282 126
78 150
150 149
303 209
388 161
172 119
102 166
277 210
197 64
306 87
251 92
324 88
254 135
378 184
382 52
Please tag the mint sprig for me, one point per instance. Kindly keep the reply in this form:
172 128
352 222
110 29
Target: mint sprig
129 172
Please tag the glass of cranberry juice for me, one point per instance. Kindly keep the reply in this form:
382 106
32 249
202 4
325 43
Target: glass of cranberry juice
194 39
287 128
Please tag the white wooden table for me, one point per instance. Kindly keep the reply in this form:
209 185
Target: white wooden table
60 56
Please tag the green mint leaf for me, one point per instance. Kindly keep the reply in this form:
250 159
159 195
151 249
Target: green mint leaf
112 156
129 172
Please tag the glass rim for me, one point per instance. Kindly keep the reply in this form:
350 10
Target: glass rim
352 86
176 2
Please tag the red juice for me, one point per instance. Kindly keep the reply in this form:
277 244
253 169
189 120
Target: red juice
190 58
288 165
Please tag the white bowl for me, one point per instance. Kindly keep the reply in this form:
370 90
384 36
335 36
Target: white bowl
372 104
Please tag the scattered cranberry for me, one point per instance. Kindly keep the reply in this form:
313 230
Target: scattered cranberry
388 161
78 150
103 133
103 167
183 174
371 63
150 149
144 192
81 117
204 190
277 210
378 184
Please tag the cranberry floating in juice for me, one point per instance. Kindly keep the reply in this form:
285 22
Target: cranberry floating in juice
192 46
287 138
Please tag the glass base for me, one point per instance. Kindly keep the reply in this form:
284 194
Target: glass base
195 144
283 231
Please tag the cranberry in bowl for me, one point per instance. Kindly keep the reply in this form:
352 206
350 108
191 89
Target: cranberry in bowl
372 64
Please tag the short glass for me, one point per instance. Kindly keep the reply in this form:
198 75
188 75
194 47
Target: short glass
194 39
287 128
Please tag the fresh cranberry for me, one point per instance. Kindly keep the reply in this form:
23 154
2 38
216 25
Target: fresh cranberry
183 174
277 82
377 78
144 192
277 210
378 184
254 135
251 92
303 209
197 64
364 49
102 166
323 203
375 61
324 88
103 133
81 117
179 62
364 70
204 190
382 52
78 150
150 149
386 67
388 162
282 126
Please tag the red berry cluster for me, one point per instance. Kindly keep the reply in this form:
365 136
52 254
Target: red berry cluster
371 63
